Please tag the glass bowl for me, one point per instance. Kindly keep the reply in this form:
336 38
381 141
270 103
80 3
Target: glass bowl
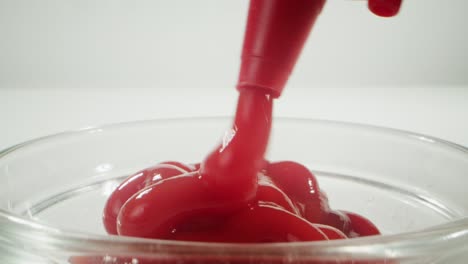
412 186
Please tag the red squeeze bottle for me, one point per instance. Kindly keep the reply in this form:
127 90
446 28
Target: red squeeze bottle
275 34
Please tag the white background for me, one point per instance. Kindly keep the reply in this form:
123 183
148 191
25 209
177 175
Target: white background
76 63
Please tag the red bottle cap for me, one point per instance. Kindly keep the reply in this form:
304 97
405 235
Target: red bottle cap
275 34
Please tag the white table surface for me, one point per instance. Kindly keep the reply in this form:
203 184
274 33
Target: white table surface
55 44
29 113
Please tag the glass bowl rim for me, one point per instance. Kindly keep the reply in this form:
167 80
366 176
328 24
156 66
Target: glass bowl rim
21 230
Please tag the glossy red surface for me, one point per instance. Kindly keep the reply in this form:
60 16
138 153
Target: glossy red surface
135 183
384 8
231 194
183 207
225 183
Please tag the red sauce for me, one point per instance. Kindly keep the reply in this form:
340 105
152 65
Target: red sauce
231 194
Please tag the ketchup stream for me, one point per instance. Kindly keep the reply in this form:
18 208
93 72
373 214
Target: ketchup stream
226 181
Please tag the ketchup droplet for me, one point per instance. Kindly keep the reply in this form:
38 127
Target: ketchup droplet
384 8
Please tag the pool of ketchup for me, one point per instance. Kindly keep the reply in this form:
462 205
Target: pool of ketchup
235 195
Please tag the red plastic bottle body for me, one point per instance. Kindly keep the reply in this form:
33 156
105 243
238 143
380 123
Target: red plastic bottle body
275 34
